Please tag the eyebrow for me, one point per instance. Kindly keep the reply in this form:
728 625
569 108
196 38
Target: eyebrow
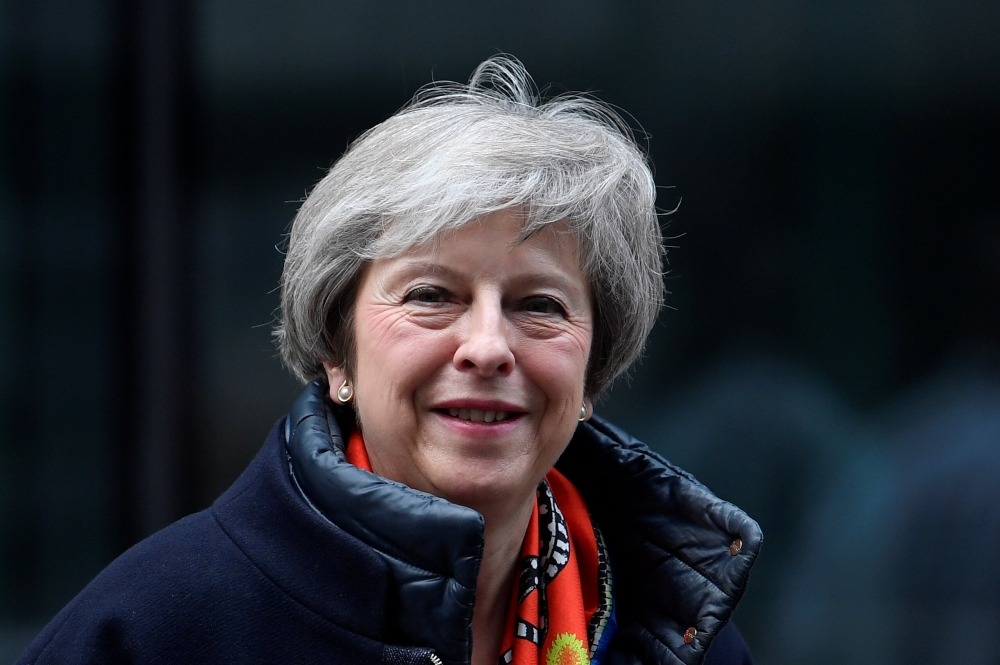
414 266
417 266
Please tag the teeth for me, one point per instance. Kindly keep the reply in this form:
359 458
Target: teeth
478 416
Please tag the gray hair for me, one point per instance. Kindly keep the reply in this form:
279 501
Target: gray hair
454 154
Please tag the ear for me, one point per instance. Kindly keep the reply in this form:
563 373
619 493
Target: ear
590 408
335 376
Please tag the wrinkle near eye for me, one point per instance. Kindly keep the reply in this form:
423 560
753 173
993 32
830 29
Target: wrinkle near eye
547 327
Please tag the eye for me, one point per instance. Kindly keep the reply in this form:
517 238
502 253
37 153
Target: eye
429 295
543 305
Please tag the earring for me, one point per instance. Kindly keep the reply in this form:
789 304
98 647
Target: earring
583 412
345 392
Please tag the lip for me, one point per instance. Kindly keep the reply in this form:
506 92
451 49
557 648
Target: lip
479 429
480 405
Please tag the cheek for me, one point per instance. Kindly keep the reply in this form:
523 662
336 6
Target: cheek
376 326
560 370
573 352
393 354
563 373
383 336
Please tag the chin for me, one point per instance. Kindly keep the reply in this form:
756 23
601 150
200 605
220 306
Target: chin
479 490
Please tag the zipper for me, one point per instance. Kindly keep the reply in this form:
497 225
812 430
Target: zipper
434 659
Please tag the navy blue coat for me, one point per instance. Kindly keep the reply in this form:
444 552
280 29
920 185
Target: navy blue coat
306 559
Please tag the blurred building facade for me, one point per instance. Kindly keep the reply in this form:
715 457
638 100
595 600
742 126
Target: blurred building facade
829 360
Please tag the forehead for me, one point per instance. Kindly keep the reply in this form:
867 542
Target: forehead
497 243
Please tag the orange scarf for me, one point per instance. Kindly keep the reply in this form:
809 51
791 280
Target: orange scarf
561 606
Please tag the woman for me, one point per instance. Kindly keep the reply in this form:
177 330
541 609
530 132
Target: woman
458 290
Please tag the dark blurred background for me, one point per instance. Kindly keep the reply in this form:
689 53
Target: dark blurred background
830 357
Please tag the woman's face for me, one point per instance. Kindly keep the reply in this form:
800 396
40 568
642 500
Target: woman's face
471 356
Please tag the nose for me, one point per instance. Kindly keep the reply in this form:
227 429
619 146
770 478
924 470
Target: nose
485 348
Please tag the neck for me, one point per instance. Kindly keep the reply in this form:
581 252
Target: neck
498 573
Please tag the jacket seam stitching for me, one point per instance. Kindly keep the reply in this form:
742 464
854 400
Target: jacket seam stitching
606 432
416 567
687 565
649 454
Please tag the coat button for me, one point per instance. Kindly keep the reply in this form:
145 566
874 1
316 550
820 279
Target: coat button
736 546
689 635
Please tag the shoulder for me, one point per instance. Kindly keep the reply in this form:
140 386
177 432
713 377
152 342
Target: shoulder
136 599
189 594
256 578
729 648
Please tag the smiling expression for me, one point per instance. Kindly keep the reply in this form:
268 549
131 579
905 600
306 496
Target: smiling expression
471 358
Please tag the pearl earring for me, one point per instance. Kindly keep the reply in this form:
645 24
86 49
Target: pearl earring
346 392
583 412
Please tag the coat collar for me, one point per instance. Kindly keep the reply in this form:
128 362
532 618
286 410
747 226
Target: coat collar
671 541
432 547
681 556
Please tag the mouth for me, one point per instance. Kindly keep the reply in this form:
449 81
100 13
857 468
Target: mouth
478 416
479 411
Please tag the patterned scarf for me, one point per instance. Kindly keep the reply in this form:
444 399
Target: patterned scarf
561 607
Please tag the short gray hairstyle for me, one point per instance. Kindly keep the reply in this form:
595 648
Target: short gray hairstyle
454 154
